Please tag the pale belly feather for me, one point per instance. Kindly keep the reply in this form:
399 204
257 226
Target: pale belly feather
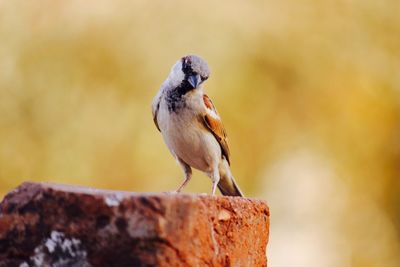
192 143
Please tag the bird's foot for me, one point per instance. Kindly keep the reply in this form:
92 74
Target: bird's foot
174 192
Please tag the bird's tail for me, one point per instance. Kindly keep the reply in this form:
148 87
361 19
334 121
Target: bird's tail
228 186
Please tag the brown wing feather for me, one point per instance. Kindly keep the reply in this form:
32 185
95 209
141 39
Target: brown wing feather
216 127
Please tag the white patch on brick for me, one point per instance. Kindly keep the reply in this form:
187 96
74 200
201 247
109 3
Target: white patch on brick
58 250
224 215
38 258
113 200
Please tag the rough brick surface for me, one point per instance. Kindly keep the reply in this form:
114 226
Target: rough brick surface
56 225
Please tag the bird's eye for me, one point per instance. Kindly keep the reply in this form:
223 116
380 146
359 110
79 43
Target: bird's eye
203 78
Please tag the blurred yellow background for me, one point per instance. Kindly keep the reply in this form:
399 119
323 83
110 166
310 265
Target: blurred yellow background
309 92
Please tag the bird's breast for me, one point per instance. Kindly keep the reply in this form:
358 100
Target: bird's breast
187 138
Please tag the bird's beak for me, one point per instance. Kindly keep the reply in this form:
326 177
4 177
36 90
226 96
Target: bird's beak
194 80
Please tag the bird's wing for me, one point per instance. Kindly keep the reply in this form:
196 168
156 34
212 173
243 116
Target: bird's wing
154 109
214 124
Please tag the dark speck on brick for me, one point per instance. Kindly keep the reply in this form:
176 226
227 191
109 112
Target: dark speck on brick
30 207
121 224
102 221
73 210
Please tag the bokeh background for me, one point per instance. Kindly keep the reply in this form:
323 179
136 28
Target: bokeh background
309 92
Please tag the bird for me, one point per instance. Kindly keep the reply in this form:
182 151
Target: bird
191 126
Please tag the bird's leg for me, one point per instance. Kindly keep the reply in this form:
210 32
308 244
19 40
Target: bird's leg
187 179
188 174
215 180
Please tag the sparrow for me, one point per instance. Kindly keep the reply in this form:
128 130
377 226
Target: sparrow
191 127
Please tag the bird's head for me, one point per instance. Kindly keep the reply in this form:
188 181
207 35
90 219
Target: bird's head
190 71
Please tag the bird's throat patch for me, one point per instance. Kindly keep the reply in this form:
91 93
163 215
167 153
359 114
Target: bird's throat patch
175 100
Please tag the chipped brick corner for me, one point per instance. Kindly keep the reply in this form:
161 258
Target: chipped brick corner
57 225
